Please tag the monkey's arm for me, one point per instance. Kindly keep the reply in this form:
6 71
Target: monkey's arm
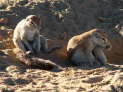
28 45
17 39
19 44
100 56
37 44
25 41
90 57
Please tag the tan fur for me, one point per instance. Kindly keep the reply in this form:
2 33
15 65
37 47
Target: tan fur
60 53
88 47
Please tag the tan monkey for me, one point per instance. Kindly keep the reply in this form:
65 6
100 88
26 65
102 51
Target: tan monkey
27 36
88 48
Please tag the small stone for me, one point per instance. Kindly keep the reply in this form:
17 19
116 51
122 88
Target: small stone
3 20
93 79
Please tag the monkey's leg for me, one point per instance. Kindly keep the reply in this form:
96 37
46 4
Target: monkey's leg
91 58
28 46
19 44
76 57
44 45
26 42
100 56
36 44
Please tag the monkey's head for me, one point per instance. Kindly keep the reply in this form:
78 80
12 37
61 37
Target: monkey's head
100 40
33 21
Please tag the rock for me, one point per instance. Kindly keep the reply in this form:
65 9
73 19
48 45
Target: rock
3 20
93 79
9 81
14 69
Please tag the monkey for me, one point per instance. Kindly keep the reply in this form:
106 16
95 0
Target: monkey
88 48
27 36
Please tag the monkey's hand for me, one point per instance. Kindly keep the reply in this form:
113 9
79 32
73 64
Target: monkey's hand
28 46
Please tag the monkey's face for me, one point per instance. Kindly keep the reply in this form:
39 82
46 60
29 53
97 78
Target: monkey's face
101 41
33 21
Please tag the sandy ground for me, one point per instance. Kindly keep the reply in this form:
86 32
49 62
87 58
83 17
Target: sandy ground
72 79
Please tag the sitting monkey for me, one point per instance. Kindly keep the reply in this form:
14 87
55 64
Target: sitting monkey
27 36
88 48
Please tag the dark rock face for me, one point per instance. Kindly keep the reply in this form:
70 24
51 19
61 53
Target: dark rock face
69 17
